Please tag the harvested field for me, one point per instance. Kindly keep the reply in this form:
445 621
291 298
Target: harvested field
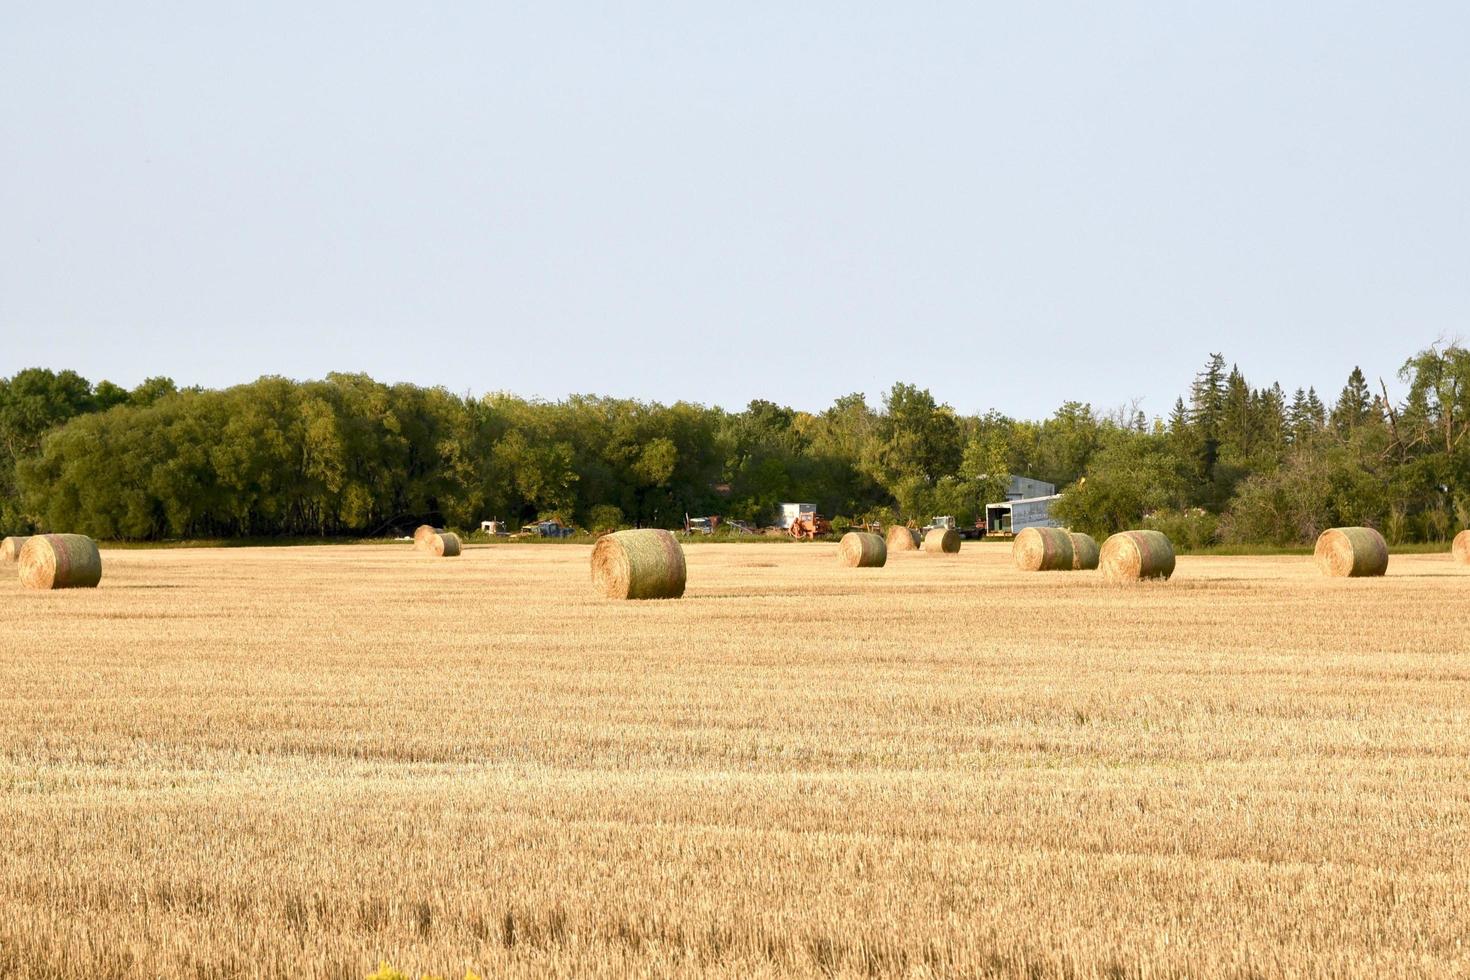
258 762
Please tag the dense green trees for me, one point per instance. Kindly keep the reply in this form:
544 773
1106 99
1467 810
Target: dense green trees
349 455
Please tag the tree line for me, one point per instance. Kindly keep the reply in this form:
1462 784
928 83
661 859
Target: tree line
348 455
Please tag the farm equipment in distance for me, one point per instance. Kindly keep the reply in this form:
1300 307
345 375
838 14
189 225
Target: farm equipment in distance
948 523
809 527
701 525
552 528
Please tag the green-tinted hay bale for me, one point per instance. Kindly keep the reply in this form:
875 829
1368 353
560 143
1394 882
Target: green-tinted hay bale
861 549
10 549
1042 549
446 544
60 561
902 538
643 564
942 541
1461 548
1129 556
1351 552
1085 552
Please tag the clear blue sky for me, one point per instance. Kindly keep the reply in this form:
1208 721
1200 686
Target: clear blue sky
1011 204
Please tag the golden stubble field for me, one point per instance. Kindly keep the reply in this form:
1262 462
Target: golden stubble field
253 762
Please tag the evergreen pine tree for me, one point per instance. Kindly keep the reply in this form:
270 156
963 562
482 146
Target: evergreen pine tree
1237 429
1208 395
1316 411
1270 419
1298 421
1179 417
1354 405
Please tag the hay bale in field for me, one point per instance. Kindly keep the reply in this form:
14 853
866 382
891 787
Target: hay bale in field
1351 552
902 538
942 541
10 549
60 561
423 536
445 544
1460 549
860 549
646 564
1084 552
1042 549
1132 555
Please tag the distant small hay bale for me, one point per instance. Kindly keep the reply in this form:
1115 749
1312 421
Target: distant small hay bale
423 536
942 541
861 549
1129 556
1042 549
1084 552
1460 549
444 545
1351 552
10 549
644 564
902 538
60 561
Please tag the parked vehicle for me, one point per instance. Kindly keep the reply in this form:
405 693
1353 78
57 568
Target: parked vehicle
966 533
553 528
701 525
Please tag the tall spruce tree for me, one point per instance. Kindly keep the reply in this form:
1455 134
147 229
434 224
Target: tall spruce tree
1208 397
1316 411
1355 404
1237 423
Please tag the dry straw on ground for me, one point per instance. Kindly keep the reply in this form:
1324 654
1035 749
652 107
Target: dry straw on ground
942 541
902 538
278 762
1351 552
642 564
1129 556
1085 552
860 549
10 549
445 544
1042 549
1461 548
60 561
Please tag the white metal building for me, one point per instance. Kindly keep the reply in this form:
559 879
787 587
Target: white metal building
1025 488
789 513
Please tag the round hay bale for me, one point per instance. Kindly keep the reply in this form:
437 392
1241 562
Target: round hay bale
1042 549
10 549
444 545
423 537
861 549
1132 555
942 541
60 561
646 564
1460 549
1084 552
1351 552
902 538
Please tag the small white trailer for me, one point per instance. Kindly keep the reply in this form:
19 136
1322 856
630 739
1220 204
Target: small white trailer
1014 516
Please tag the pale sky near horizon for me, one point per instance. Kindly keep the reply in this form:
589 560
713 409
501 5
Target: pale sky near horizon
1010 204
